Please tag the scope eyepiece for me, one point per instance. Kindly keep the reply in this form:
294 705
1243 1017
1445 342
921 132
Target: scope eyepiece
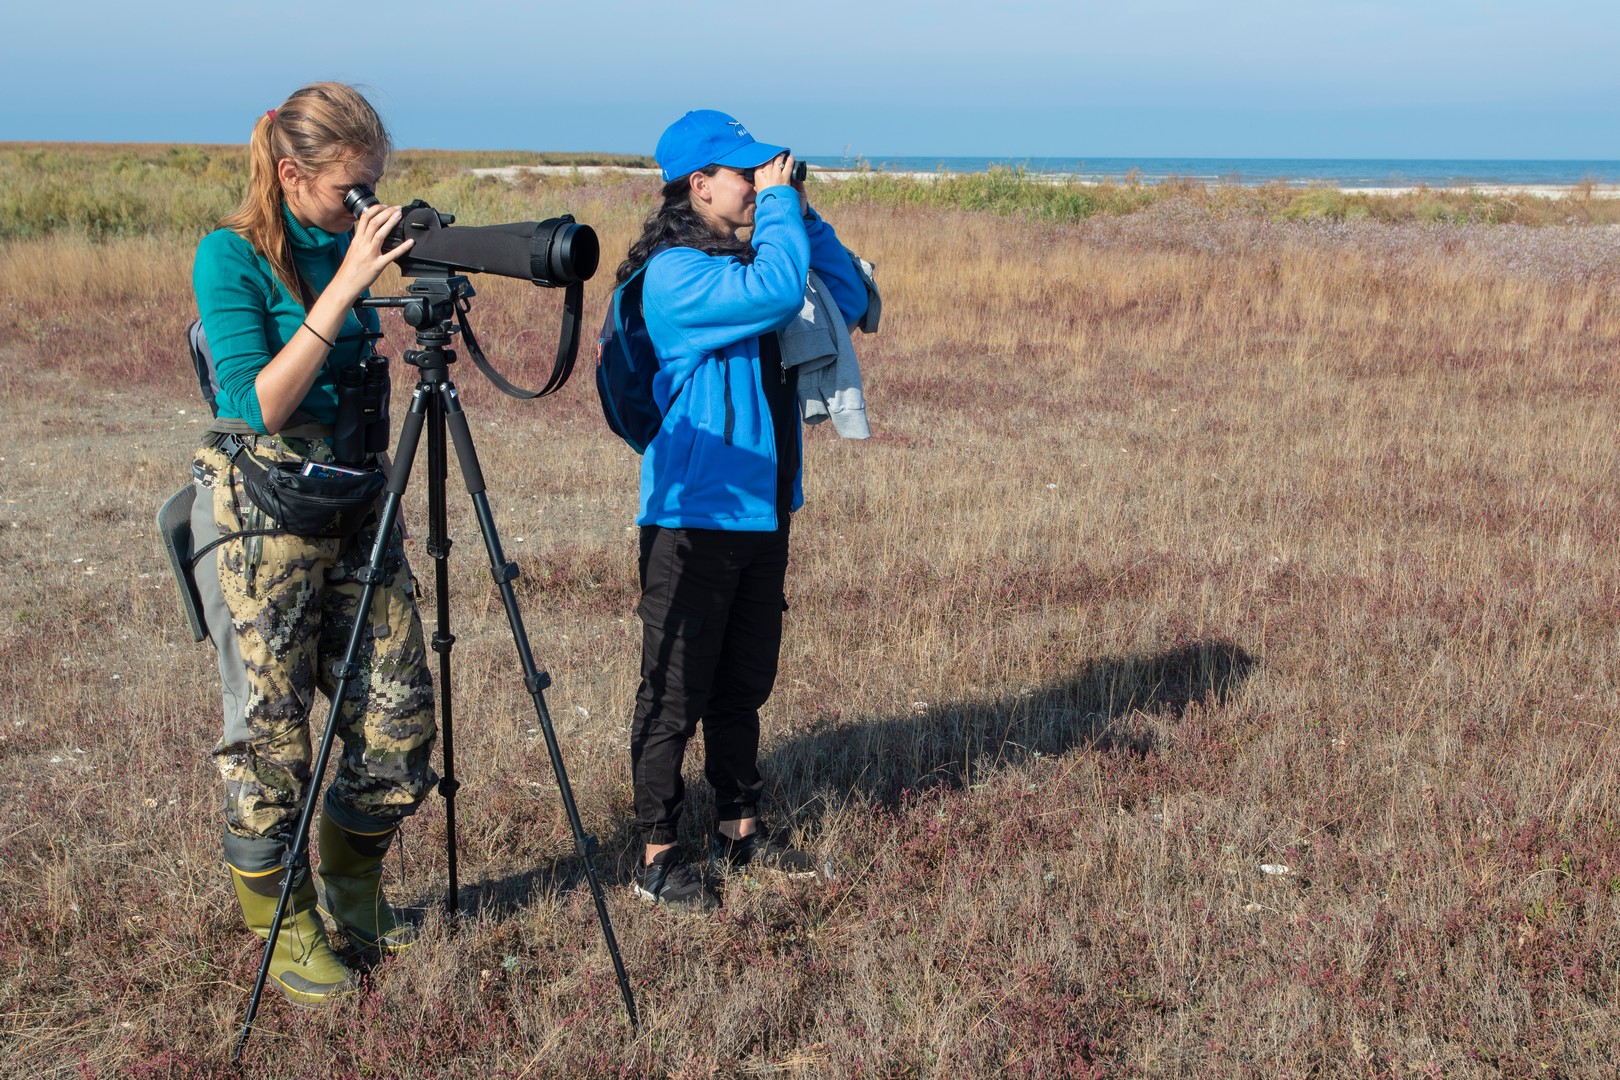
358 199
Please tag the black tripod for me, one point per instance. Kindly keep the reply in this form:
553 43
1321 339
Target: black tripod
432 308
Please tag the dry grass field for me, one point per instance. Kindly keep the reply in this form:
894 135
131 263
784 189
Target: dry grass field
1208 670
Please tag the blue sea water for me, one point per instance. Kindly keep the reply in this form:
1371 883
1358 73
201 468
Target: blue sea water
1338 172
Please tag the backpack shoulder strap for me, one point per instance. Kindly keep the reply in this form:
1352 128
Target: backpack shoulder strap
630 291
202 359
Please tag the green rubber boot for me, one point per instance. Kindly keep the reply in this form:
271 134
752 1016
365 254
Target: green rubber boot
303 966
351 891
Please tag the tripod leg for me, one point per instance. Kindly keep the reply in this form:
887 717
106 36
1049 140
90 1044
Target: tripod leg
296 860
439 544
536 681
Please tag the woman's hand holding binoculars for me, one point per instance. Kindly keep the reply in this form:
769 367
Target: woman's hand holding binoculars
782 169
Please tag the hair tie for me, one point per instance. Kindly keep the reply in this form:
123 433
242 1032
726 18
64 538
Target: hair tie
271 113
330 344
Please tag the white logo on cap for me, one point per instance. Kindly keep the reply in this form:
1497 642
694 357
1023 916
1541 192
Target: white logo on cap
741 132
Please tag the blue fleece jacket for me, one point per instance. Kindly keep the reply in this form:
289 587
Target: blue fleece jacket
249 316
712 464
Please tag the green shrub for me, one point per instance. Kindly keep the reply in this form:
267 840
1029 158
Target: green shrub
1317 204
66 207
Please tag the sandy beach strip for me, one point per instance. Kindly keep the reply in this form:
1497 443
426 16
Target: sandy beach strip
1539 191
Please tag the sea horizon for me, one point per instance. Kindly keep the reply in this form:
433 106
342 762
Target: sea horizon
1341 172
1303 171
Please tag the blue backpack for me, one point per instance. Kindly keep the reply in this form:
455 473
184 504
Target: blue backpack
625 366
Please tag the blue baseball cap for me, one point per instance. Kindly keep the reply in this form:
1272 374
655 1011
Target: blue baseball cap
706 137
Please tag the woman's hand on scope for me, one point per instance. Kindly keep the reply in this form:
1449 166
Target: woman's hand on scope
779 170
366 258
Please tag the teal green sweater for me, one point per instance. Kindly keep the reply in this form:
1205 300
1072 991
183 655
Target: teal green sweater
249 316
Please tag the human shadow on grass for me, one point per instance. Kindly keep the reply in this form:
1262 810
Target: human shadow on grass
950 745
955 744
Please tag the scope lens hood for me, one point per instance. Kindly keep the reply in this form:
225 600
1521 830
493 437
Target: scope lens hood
564 252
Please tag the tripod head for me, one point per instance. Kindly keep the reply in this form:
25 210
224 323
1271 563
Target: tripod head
437 307
431 305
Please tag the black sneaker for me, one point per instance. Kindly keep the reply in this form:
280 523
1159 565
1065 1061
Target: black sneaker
760 850
667 880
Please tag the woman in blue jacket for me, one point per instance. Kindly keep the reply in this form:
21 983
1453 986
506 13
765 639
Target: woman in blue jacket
719 481
276 286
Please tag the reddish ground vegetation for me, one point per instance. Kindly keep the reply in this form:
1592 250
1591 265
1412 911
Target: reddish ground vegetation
1209 670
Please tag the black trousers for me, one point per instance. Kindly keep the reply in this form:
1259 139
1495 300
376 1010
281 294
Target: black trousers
711 616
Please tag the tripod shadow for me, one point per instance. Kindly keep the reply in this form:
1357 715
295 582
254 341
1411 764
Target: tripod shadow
616 857
956 744
508 896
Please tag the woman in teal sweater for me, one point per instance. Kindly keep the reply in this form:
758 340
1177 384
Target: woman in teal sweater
276 286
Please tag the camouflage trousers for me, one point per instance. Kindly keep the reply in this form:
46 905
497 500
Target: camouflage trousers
280 611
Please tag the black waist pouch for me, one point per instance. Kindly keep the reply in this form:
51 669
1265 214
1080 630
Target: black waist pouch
328 504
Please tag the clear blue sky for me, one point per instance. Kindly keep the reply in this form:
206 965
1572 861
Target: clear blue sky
1244 78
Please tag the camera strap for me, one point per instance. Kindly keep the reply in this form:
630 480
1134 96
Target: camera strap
567 347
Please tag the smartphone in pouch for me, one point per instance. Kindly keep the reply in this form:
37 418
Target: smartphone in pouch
321 468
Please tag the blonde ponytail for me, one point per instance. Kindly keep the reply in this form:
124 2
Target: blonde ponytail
320 127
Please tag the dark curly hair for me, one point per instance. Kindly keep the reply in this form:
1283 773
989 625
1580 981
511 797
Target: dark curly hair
676 224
